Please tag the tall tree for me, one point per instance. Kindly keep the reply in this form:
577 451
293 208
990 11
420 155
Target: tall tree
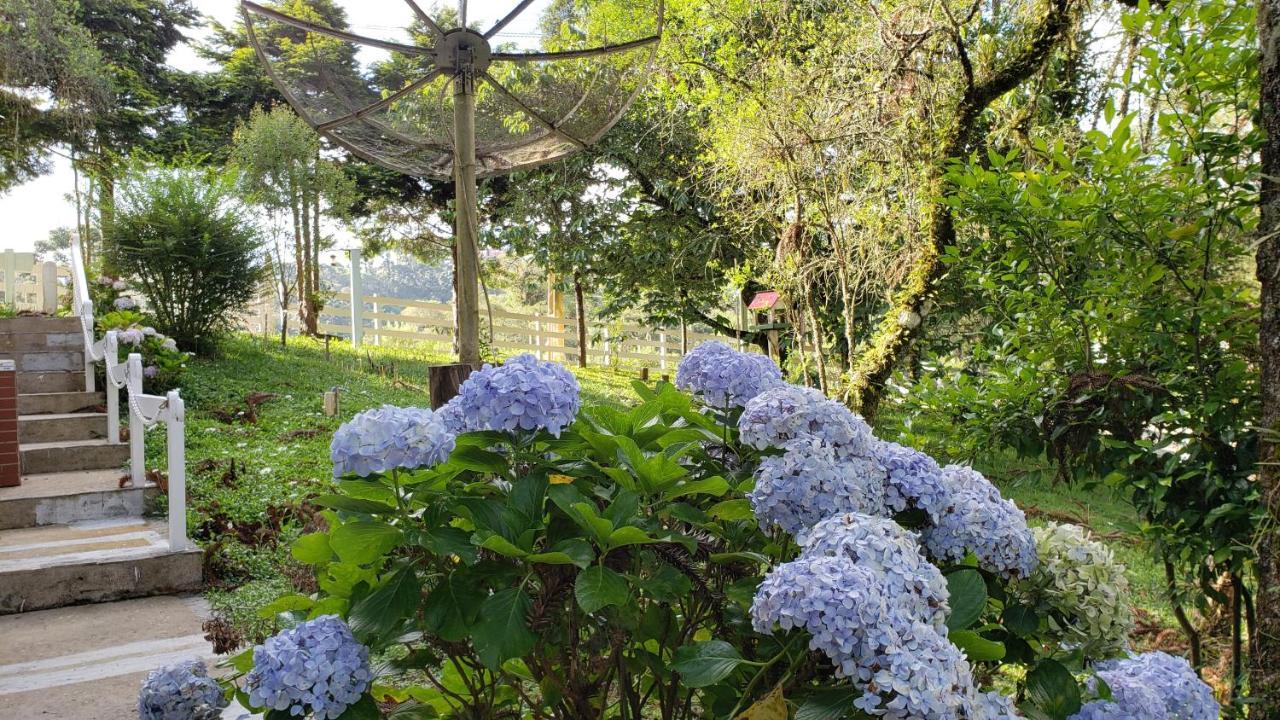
279 159
1265 661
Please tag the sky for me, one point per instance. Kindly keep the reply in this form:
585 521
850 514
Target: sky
29 211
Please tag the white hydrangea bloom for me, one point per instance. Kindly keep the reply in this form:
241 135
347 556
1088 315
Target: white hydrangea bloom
1082 589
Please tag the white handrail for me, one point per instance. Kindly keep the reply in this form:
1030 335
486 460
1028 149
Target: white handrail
144 410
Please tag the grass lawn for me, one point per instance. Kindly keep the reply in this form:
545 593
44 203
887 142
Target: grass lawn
258 445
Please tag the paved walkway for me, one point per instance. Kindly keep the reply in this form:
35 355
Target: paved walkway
87 662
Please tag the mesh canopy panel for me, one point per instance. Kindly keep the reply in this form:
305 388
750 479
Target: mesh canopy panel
388 97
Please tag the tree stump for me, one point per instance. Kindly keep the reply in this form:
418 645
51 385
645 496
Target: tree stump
444 381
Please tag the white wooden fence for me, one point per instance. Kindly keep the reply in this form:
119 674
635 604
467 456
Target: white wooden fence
385 320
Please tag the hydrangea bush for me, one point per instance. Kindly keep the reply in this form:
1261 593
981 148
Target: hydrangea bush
117 309
181 692
517 555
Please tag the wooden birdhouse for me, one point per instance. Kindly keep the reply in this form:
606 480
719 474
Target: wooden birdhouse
767 309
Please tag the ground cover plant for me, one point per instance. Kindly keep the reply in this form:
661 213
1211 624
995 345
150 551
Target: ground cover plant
609 562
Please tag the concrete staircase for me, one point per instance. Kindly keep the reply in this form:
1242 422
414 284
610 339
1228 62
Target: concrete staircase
69 534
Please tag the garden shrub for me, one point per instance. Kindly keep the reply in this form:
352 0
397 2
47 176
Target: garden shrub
180 235
744 542
116 308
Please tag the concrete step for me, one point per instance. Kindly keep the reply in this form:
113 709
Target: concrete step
67 455
59 402
68 497
39 324
50 382
87 662
57 565
69 340
45 360
55 427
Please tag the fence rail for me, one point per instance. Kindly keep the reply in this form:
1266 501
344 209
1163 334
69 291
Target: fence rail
382 320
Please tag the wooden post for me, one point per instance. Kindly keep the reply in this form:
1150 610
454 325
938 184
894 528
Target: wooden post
357 300
444 380
644 374
9 263
662 349
377 326
49 287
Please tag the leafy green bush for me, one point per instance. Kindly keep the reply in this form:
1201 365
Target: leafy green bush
181 239
628 565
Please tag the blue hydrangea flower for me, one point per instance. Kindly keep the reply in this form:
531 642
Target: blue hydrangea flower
914 478
976 518
521 394
180 692
1156 686
884 547
809 483
386 438
787 412
315 667
724 377
1105 710
854 614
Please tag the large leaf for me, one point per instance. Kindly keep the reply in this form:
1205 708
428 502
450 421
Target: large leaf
312 549
976 647
474 458
828 704
451 608
380 613
706 663
351 504
363 541
598 587
500 632
1053 690
714 486
968 598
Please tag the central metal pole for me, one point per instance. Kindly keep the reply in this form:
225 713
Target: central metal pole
467 306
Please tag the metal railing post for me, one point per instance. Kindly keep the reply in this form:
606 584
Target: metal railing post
175 419
137 427
86 310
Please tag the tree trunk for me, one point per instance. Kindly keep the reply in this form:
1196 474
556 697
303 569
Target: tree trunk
316 248
299 267
892 338
1264 665
578 297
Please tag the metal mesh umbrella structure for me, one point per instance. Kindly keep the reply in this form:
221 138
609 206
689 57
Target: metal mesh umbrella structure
458 102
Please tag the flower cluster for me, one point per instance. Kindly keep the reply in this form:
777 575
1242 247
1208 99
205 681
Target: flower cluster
853 590
180 692
1081 588
977 519
315 667
521 394
1151 686
885 548
784 413
810 482
161 359
914 479
386 438
724 377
